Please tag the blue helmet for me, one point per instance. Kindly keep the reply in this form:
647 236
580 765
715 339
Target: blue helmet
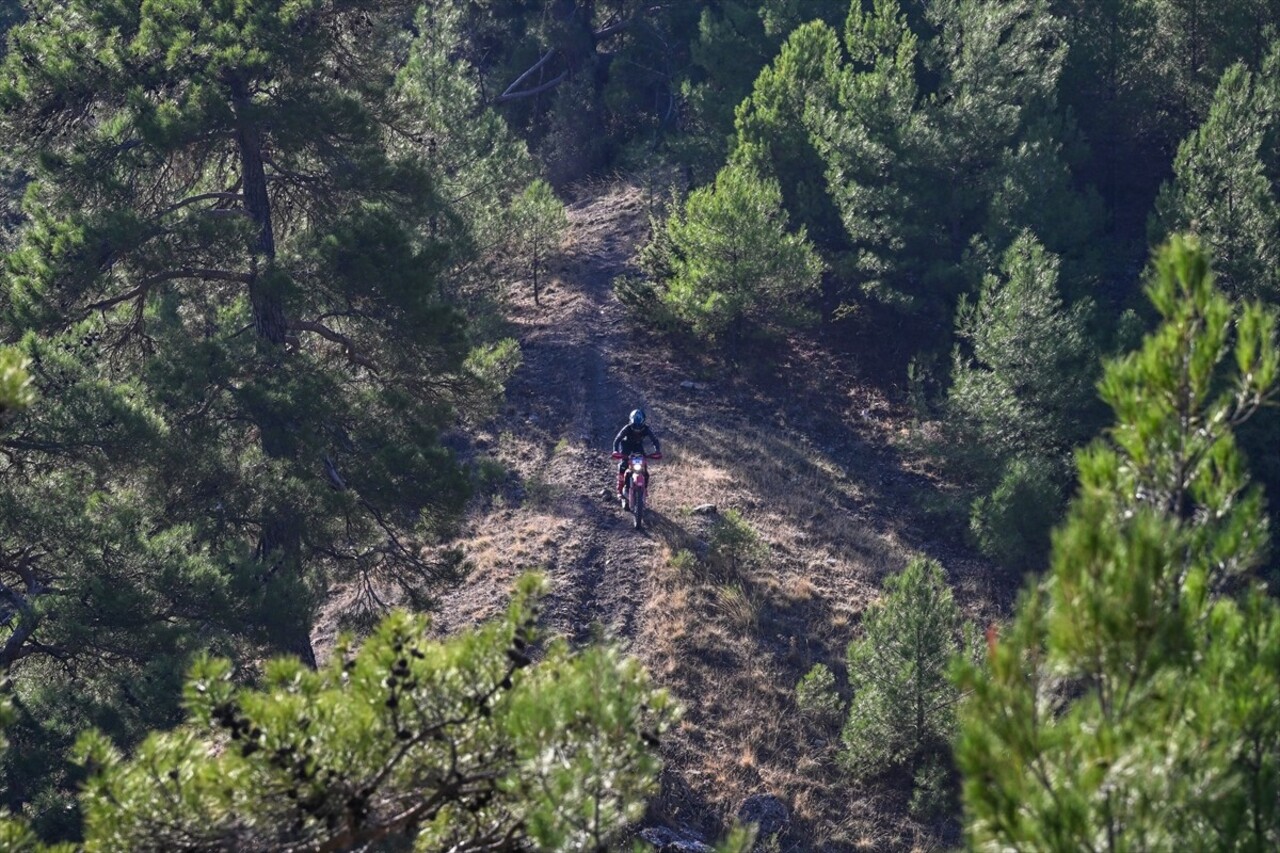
637 418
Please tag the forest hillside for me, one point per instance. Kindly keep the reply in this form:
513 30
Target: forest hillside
325 323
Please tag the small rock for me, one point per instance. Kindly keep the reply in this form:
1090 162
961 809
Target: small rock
690 385
831 561
668 841
704 509
767 812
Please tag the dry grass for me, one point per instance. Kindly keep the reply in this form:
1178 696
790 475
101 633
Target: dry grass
729 644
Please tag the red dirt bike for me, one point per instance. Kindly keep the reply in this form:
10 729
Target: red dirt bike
635 487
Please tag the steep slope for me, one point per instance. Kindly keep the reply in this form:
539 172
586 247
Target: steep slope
801 450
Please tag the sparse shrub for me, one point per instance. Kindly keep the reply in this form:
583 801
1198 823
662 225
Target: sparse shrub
684 561
1011 525
637 293
734 543
657 257
488 475
918 375
539 223
738 607
933 794
902 698
816 696
491 366
642 297
538 491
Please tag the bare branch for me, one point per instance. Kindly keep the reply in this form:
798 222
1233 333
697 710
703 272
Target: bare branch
16 648
514 92
348 345
612 29
529 93
511 90
171 275
196 199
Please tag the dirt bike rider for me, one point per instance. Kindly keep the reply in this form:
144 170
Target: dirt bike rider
630 439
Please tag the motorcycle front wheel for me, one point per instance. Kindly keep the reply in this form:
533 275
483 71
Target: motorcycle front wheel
637 506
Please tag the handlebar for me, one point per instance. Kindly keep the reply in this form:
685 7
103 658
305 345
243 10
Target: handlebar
617 455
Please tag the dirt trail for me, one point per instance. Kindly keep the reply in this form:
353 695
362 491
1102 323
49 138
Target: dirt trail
570 395
800 448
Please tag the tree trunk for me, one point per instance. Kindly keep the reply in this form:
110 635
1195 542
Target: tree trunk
535 275
280 543
268 310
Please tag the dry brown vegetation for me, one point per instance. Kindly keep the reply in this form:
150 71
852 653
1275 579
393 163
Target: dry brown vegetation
802 450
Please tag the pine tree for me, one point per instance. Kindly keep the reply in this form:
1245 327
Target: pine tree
903 703
1023 379
774 137
231 306
539 221
736 42
479 162
733 259
934 141
461 744
871 143
486 740
1222 187
1003 147
1131 704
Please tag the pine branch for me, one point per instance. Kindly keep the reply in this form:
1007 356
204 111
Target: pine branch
349 346
141 291
196 199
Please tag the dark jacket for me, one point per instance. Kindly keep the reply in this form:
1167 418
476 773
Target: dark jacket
631 439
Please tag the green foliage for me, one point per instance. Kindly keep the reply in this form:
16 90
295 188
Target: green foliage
774 140
1131 702
1021 399
489 367
228 290
734 544
447 744
870 142
1011 524
16 392
735 41
734 260
817 698
684 561
933 795
929 142
903 703
1223 183
538 222
480 165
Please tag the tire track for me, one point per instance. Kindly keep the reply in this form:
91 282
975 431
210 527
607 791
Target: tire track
600 577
